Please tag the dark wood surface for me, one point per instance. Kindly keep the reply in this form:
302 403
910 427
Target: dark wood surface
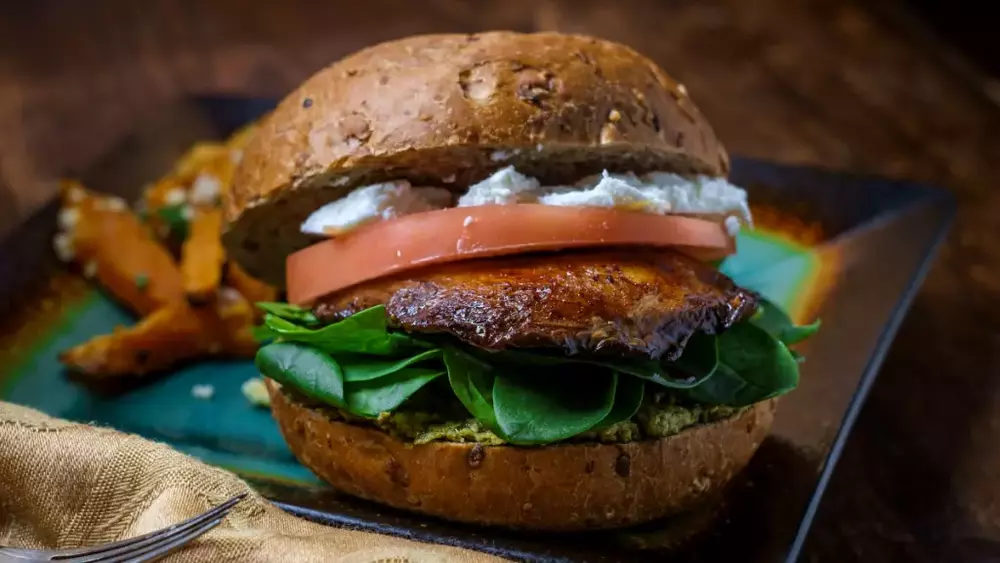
823 82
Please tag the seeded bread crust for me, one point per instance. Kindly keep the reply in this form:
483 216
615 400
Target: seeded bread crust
557 488
447 110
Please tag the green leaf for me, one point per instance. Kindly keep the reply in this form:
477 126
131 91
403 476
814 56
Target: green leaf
363 333
304 368
175 218
263 333
753 366
534 409
778 324
798 333
651 370
700 357
628 398
375 396
365 368
288 312
723 388
472 381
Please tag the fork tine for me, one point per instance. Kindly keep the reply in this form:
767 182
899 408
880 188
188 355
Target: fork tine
166 545
102 552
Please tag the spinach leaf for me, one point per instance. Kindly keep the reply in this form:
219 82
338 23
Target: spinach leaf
375 396
357 367
304 368
363 333
628 399
175 219
289 312
472 381
534 409
753 366
700 357
263 333
723 388
651 370
778 324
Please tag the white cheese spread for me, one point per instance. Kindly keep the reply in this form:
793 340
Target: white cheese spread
374 202
661 193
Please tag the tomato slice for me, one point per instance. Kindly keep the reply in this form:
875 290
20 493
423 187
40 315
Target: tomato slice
463 233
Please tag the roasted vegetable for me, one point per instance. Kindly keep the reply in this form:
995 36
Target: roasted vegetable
101 235
202 256
171 336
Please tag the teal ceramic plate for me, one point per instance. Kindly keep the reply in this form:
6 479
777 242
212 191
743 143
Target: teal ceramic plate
858 277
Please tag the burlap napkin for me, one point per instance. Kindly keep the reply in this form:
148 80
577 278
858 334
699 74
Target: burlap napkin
65 485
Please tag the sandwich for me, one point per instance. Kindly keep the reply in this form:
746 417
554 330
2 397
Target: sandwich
499 254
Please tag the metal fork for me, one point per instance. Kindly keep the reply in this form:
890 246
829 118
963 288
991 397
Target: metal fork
147 547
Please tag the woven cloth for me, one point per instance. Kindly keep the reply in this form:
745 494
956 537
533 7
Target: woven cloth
64 485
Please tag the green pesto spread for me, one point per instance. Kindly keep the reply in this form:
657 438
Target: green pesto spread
659 417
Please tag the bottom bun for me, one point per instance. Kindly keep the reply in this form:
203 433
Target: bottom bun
564 487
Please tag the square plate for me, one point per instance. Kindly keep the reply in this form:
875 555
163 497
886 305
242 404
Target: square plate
879 239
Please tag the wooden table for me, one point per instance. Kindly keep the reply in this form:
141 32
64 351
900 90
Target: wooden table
809 81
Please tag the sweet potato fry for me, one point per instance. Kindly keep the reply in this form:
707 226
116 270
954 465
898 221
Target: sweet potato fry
161 340
171 336
228 329
102 236
250 287
196 183
165 208
202 255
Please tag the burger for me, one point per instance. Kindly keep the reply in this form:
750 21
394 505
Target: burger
500 257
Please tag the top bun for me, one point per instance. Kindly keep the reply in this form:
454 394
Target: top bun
448 110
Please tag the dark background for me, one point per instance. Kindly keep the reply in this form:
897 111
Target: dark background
847 84
966 24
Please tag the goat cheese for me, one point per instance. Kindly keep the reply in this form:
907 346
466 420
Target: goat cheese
205 190
504 187
661 193
377 201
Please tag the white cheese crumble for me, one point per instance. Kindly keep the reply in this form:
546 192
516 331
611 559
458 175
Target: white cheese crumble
175 196
256 392
205 189
660 193
68 218
619 192
377 201
504 187
203 391
732 225
62 243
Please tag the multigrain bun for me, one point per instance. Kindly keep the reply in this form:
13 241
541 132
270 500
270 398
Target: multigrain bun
447 110
558 488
